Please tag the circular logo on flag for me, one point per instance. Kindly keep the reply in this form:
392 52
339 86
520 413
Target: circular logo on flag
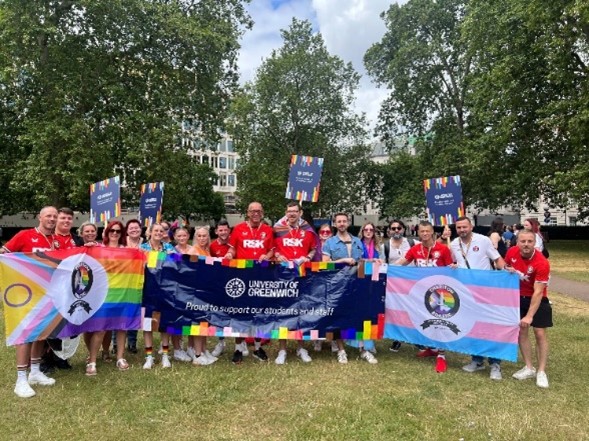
235 288
78 288
442 301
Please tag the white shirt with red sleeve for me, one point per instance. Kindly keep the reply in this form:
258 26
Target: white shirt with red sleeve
532 270
295 244
251 242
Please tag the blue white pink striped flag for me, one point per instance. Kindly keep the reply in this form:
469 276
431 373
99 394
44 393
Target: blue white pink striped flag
475 312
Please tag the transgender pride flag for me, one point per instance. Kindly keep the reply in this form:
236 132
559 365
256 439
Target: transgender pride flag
67 292
475 312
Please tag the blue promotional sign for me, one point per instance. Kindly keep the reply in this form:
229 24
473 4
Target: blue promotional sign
267 301
105 200
444 200
150 206
304 178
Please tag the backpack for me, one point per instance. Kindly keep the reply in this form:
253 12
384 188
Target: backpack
387 248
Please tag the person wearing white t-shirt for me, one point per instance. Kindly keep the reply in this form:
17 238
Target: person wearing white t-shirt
475 251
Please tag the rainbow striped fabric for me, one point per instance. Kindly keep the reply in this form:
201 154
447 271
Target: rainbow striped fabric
475 312
64 293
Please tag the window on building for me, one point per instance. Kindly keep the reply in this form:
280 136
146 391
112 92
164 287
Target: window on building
231 164
231 180
222 147
223 180
214 162
552 220
222 162
204 160
573 221
230 146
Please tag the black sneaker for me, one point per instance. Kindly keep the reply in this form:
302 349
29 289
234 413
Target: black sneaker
132 348
396 346
260 354
237 357
62 364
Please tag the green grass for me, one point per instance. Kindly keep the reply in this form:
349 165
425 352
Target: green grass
570 259
401 398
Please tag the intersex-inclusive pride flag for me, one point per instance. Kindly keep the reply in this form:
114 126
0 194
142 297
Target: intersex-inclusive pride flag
59 294
475 312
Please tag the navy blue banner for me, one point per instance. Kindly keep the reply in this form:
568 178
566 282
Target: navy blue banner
266 300
150 205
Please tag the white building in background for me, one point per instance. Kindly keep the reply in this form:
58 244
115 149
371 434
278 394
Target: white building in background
547 215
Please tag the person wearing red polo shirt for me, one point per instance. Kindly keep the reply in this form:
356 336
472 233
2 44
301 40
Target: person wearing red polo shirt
252 239
293 243
533 270
36 239
429 253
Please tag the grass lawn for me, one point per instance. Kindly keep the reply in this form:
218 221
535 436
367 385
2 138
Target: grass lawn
570 259
400 398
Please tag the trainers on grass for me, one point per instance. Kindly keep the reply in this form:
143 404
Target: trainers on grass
219 348
260 354
148 362
22 389
395 346
166 361
237 357
303 354
542 380
473 366
342 357
367 355
495 372
181 355
525 373
242 347
41 379
441 365
281 358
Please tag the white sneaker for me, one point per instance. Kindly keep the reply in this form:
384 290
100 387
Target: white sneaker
317 345
474 366
181 355
495 372
303 354
542 380
22 389
281 358
210 356
242 347
334 347
160 351
201 360
342 357
41 379
525 373
219 348
367 355
148 362
166 361
190 353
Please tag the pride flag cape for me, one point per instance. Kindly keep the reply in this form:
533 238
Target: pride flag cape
475 312
281 228
64 293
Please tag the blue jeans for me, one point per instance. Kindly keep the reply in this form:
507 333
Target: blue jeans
479 359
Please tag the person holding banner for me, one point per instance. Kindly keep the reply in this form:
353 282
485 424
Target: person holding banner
475 251
292 243
181 238
134 240
219 248
533 270
36 239
156 234
429 253
342 248
252 239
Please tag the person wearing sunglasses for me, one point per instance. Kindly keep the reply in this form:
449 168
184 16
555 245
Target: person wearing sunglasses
394 248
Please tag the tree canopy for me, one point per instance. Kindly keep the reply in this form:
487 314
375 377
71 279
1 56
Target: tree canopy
93 89
300 103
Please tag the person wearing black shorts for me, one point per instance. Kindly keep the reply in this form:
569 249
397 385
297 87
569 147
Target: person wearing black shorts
535 310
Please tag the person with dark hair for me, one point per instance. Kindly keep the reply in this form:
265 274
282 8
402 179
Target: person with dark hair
496 236
533 270
342 248
40 238
220 246
64 239
429 253
475 251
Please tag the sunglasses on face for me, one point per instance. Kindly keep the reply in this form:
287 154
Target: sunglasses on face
325 232
114 232
396 228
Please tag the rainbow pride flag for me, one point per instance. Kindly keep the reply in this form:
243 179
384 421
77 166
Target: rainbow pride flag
59 294
475 312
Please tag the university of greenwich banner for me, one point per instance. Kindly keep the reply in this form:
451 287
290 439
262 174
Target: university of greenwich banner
64 293
243 298
475 312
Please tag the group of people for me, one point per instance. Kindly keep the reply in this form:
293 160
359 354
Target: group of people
294 239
